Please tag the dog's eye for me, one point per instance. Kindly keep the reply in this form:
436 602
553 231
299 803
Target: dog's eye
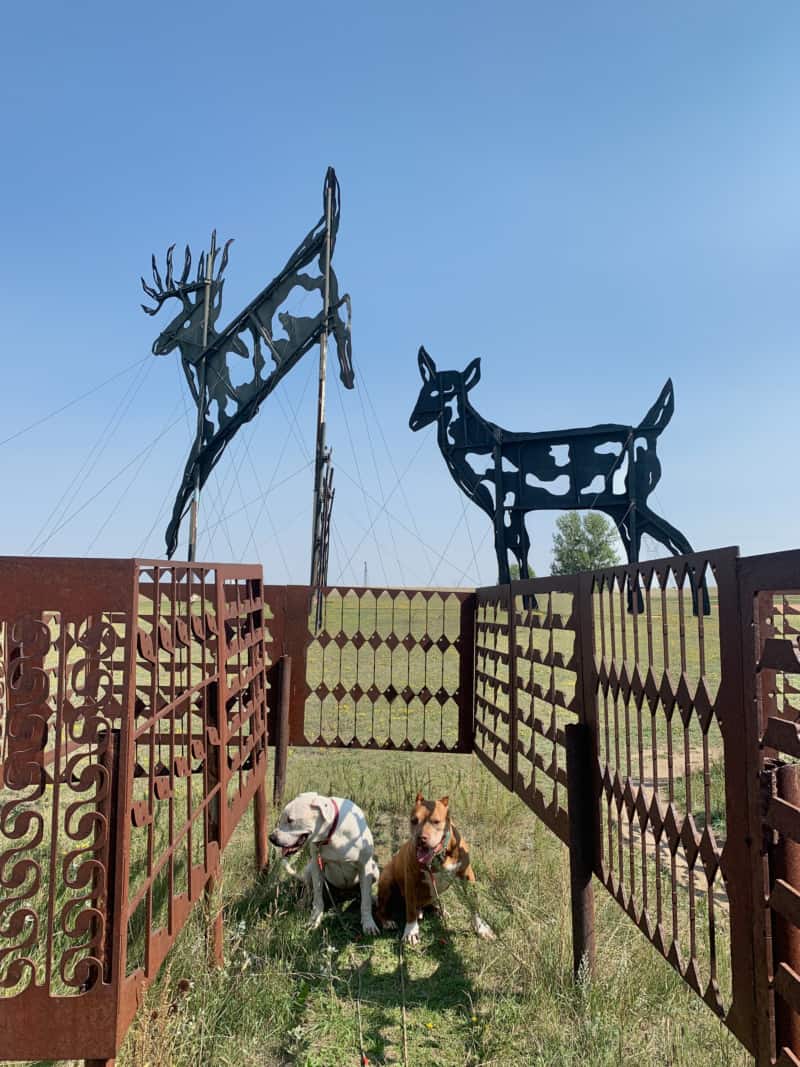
289 819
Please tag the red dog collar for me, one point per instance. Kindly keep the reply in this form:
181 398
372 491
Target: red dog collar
332 831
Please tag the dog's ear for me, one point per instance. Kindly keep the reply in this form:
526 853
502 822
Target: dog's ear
323 805
420 799
444 801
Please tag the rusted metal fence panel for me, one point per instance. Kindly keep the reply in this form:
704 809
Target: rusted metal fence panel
133 724
493 745
658 686
672 761
770 627
389 669
528 688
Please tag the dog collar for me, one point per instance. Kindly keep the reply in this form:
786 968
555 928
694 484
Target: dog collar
441 849
332 831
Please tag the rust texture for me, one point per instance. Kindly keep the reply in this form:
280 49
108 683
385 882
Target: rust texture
389 669
660 744
527 689
660 691
133 726
770 623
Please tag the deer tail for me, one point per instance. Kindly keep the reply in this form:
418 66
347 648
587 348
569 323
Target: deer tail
661 412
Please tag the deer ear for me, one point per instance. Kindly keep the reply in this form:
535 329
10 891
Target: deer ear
472 373
427 368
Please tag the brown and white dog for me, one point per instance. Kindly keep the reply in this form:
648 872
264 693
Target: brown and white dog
434 855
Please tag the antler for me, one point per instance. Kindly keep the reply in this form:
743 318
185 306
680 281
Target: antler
164 290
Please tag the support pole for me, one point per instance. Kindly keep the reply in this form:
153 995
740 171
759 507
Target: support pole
201 398
109 760
316 530
282 731
260 828
216 785
581 845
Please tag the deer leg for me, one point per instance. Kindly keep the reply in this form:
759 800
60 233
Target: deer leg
501 550
674 541
631 545
500 539
522 546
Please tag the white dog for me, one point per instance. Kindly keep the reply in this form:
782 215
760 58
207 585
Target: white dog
341 847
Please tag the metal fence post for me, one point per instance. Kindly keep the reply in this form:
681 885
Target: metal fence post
512 689
785 935
466 673
281 741
581 844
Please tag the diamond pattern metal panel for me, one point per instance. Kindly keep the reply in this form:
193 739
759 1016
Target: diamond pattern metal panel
378 690
657 676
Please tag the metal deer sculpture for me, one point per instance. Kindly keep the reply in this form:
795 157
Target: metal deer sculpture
523 473
211 368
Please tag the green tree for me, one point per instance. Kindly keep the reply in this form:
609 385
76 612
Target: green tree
583 543
513 570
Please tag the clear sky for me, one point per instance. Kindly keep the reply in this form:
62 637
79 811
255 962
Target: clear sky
591 197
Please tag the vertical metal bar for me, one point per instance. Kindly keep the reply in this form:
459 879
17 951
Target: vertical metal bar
785 935
260 827
216 713
296 641
581 845
201 397
282 729
466 673
583 612
751 1014
323 362
512 689
110 761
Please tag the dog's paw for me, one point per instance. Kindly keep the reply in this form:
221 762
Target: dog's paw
316 919
369 926
411 933
389 924
483 929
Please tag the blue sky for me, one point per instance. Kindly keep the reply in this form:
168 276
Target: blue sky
590 197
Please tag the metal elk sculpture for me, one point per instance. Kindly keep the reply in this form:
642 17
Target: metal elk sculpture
610 467
213 361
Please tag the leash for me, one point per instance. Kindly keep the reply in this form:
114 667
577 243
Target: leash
440 906
362 1053
402 964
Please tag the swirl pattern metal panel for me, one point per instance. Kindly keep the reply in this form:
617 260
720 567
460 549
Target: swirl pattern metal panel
133 737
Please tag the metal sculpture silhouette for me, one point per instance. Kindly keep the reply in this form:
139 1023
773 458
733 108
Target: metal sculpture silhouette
611 467
211 360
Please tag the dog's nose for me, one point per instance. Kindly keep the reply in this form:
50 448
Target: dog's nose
272 837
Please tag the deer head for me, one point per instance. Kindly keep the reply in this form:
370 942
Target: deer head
440 389
186 329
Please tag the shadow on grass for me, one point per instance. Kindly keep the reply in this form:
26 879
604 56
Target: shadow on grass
338 955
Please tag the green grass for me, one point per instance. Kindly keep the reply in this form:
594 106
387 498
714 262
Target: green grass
288 995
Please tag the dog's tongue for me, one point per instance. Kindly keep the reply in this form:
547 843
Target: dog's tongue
424 855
